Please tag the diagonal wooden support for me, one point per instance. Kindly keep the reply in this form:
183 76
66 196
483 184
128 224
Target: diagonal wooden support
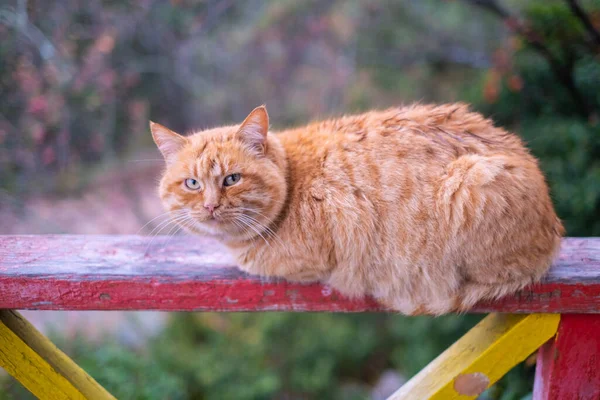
568 367
40 366
481 357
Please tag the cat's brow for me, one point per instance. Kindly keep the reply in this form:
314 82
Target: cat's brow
201 150
198 161
215 168
181 177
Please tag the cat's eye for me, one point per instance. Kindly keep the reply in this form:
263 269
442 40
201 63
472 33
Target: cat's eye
231 180
192 184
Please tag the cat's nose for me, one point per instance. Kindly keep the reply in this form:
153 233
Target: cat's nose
211 207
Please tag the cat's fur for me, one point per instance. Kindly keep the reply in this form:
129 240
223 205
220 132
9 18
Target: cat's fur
427 208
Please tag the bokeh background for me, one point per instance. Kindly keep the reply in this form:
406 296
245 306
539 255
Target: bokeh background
79 81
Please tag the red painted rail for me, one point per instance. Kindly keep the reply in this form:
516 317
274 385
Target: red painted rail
567 366
190 273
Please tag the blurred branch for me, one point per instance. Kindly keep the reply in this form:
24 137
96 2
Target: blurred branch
562 71
8 124
19 20
583 17
408 57
214 13
491 6
448 47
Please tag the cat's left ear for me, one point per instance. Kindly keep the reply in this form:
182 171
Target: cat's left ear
168 142
254 129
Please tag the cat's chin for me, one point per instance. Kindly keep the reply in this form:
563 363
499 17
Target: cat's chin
211 227
218 235
215 228
219 230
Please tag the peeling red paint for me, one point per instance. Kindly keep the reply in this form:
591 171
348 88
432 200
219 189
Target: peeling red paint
568 367
549 298
136 293
185 274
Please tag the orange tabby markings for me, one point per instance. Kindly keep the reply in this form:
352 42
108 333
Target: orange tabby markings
427 208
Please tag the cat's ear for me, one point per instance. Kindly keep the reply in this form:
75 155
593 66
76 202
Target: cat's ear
169 143
253 130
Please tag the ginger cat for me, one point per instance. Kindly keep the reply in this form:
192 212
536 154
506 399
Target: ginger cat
429 209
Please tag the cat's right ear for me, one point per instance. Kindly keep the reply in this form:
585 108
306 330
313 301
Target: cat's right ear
169 143
253 131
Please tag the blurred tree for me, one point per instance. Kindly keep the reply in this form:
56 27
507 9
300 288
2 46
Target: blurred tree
81 78
545 84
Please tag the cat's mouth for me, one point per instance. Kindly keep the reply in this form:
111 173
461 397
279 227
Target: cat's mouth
200 220
217 218
214 220
206 225
225 222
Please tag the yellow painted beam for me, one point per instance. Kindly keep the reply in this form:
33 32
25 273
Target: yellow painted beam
40 366
481 357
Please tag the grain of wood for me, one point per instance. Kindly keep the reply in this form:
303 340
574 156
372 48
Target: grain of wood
567 367
29 368
77 272
481 357
52 355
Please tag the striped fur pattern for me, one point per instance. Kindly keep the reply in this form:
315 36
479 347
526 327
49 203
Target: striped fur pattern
429 209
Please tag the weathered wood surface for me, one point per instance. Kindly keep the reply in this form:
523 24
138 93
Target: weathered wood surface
40 366
481 357
66 272
568 367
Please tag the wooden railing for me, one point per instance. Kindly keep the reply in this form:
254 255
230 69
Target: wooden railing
194 274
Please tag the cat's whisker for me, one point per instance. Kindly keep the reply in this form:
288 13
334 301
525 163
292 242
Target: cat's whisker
254 211
165 214
182 224
162 226
257 223
247 228
266 229
177 227
269 232
154 237
168 215
242 227
253 228
158 228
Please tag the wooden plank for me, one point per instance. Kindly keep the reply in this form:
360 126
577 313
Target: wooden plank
43 369
53 356
568 367
66 272
481 357
31 370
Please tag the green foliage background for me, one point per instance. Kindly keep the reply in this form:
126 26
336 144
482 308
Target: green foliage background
315 356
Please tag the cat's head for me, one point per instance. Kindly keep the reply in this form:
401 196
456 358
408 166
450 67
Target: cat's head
229 182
